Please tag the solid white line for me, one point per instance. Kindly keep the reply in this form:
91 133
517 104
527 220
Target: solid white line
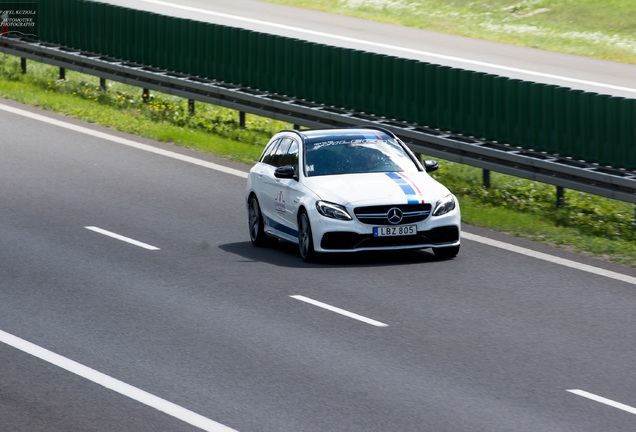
339 311
391 47
115 385
122 238
603 400
550 258
124 141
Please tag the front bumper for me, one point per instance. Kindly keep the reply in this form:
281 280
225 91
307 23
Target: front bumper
353 236
343 241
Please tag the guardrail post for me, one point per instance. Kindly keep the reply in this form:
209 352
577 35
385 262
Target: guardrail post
485 178
62 74
242 119
102 84
23 65
145 95
191 106
560 196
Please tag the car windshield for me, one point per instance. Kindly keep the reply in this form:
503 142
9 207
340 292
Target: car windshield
350 156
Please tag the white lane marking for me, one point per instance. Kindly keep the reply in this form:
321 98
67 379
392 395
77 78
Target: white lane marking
603 400
391 47
235 172
124 141
550 258
115 385
122 238
339 311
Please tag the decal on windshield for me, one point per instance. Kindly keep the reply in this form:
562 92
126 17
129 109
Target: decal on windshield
357 141
331 143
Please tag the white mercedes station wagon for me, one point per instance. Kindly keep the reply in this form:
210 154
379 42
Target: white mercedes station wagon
349 190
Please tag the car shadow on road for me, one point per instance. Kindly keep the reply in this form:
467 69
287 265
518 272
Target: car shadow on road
286 254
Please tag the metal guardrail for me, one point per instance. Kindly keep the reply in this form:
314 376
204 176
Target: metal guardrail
488 155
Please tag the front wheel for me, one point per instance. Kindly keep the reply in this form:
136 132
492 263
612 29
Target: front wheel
446 252
256 225
305 238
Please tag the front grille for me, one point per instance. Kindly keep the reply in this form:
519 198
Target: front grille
377 215
352 241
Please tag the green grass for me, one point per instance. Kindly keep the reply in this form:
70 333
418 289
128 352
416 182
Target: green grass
597 28
599 227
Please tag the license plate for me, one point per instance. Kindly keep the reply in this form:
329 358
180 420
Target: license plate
391 231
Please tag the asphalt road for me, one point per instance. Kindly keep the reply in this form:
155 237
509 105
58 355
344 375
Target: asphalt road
529 64
181 325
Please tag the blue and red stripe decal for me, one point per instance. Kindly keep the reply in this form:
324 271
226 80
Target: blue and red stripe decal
410 189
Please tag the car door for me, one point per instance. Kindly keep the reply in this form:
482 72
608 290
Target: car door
262 179
287 198
274 190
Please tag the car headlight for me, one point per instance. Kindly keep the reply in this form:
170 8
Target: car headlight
445 205
333 211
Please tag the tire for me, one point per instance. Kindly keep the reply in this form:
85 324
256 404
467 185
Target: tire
446 252
305 238
256 225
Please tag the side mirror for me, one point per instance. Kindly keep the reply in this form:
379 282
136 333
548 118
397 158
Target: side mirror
285 172
430 165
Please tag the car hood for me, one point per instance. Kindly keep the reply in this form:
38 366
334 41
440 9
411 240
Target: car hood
377 188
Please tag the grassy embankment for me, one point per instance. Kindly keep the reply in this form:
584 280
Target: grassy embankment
599 227
603 29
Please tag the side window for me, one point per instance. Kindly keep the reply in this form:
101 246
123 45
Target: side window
280 153
291 158
269 152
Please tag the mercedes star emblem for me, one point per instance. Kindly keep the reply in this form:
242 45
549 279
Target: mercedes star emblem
394 215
